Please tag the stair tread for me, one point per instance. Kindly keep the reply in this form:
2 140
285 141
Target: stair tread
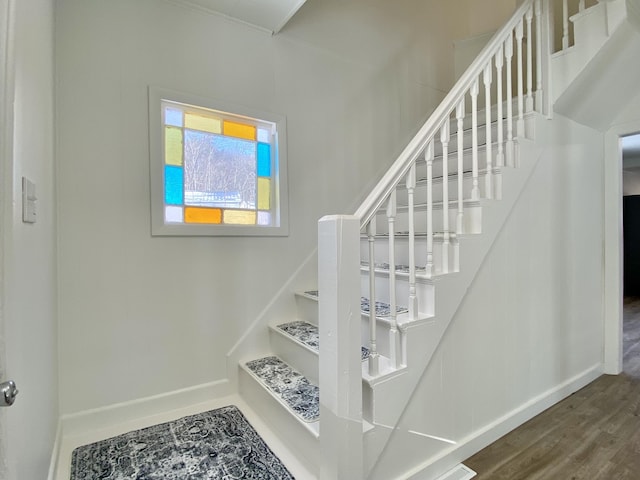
307 334
290 386
382 309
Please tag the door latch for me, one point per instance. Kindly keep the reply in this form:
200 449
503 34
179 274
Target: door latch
8 393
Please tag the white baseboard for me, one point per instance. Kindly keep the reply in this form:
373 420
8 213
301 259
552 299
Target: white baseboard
55 452
483 437
105 417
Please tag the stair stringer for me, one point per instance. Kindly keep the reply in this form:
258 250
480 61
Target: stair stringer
391 395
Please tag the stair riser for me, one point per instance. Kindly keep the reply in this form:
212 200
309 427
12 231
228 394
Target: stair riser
381 254
307 309
296 355
424 291
468 139
471 220
304 445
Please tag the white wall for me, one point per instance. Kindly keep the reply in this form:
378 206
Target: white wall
531 321
141 316
29 250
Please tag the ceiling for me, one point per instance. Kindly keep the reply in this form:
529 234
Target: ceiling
269 15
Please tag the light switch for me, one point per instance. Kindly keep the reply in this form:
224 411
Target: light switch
28 201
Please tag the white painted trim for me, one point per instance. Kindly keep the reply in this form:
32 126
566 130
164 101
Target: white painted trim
55 453
104 417
613 255
488 434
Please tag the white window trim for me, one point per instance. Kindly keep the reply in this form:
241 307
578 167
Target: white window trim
156 168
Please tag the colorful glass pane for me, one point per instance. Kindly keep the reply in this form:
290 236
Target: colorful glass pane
202 215
240 217
202 123
264 135
173 185
219 171
239 130
173 146
264 160
173 214
264 193
264 218
173 117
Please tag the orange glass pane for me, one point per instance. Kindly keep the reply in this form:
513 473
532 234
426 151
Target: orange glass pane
173 146
202 123
264 193
239 130
202 215
239 217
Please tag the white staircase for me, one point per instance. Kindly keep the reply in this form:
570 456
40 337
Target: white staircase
426 228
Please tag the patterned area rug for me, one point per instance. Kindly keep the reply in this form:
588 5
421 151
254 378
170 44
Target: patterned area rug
382 309
307 333
290 385
219 444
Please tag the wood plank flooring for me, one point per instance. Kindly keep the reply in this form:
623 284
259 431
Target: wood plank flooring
594 434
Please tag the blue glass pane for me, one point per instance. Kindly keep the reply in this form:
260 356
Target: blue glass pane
173 117
173 185
264 160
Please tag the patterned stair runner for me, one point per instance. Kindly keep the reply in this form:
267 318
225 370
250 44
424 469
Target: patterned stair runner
307 334
288 384
382 309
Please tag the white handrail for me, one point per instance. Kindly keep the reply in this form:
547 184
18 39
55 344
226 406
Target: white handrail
379 195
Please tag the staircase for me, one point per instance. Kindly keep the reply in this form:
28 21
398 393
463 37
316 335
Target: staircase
336 376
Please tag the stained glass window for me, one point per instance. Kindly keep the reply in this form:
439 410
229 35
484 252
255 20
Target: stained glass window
219 168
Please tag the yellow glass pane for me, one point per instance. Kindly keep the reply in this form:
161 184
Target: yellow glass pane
239 130
173 146
240 217
264 193
202 215
202 123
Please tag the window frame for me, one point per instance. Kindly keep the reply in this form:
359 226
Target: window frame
280 210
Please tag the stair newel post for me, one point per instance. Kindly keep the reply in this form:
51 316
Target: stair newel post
488 178
538 94
428 156
520 80
444 140
529 100
499 63
508 52
475 190
394 335
340 371
373 344
413 298
460 119
565 24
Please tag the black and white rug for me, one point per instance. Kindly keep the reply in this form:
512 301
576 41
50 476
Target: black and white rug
219 444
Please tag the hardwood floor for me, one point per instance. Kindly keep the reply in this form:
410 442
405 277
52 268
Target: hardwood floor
593 434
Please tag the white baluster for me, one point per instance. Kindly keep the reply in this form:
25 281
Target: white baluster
413 298
428 156
538 94
488 178
499 63
444 139
529 104
520 93
394 335
475 190
581 5
565 24
374 359
460 118
508 52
